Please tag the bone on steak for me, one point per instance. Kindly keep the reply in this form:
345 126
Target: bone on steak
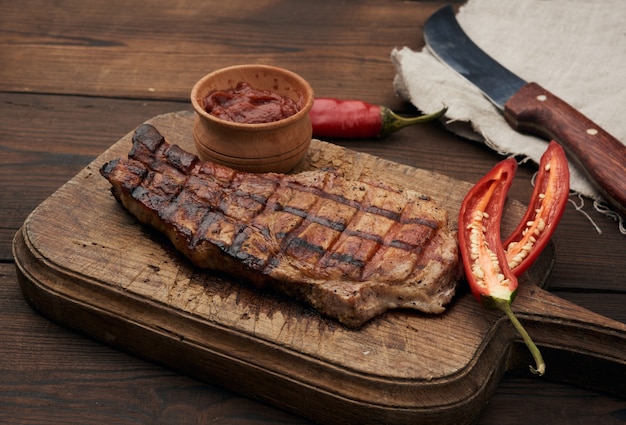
350 249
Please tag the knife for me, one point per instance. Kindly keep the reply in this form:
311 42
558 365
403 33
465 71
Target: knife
529 108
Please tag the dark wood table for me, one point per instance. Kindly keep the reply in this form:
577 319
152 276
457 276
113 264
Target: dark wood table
76 76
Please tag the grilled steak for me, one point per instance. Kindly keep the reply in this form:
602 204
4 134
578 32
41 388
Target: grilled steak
350 249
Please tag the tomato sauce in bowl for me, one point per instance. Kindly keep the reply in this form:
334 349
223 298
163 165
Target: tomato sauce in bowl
252 118
245 104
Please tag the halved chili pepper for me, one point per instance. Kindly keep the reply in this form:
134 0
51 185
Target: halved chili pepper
355 119
544 212
487 272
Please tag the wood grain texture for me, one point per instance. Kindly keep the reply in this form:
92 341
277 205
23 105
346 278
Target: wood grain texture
107 51
598 154
78 75
51 375
87 264
110 263
46 140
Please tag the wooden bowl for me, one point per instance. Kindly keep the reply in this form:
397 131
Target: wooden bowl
276 146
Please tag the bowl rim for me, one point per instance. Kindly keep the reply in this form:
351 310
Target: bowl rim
308 95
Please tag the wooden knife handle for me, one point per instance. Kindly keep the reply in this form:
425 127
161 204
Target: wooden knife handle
601 156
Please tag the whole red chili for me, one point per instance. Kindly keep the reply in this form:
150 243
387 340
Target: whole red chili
487 272
544 212
355 119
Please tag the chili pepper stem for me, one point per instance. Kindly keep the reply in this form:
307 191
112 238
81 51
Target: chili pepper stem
393 122
505 306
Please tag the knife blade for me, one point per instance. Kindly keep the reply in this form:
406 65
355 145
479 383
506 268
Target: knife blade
530 108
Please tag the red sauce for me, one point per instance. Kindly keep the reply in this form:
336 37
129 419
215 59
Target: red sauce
244 104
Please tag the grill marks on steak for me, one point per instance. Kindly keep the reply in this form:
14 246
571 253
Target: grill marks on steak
350 249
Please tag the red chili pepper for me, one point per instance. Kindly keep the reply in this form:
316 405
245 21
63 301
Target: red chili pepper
487 272
355 119
544 212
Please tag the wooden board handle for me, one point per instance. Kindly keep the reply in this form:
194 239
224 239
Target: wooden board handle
601 156
590 348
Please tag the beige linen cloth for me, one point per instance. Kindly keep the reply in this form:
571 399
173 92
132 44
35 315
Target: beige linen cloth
574 48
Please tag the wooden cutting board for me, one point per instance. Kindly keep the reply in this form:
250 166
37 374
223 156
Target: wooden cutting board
84 262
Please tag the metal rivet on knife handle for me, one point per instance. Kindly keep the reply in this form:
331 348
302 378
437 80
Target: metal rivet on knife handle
601 156
530 108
